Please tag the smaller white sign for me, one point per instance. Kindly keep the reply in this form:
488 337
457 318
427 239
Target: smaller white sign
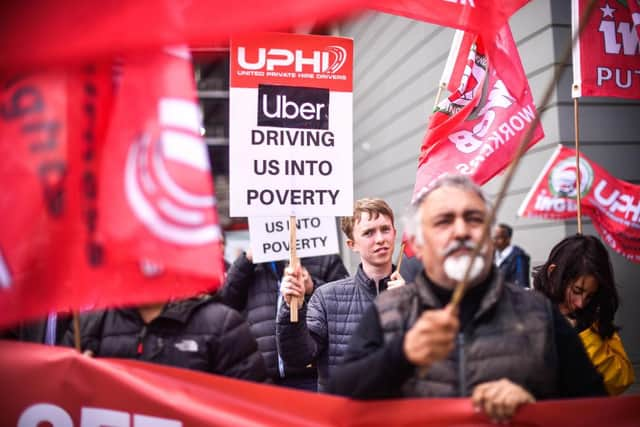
270 237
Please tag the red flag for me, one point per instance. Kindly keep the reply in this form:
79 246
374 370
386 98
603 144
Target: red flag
478 128
476 16
486 18
634 8
95 173
133 393
39 32
612 204
606 57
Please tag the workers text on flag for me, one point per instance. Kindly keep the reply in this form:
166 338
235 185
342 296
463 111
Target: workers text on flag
478 128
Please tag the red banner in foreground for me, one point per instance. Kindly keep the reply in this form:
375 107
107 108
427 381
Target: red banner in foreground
59 386
612 204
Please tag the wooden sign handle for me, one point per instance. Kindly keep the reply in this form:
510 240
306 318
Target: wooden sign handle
294 261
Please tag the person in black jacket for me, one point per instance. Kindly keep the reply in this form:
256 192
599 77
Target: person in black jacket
334 310
254 290
502 345
50 330
512 261
198 333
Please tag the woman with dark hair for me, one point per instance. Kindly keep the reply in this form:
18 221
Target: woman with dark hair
578 277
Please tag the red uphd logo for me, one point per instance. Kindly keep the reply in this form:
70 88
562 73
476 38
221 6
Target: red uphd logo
330 60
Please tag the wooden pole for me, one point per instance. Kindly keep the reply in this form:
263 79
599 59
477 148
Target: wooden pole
76 331
293 263
400 258
578 172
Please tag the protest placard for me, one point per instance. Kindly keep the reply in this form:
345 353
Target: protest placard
290 127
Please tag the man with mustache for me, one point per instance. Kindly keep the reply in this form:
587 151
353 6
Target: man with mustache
335 309
503 346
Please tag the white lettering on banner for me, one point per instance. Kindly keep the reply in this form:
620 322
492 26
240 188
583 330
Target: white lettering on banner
291 138
467 142
462 2
330 60
624 78
292 197
630 43
554 204
56 416
304 243
5 275
617 202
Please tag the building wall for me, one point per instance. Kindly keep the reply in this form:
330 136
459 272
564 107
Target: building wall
398 64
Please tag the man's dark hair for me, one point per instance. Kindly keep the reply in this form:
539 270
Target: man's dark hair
506 228
576 256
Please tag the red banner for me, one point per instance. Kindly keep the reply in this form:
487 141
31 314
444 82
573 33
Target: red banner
476 16
606 58
478 128
36 32
612 204
119 393
104 210
485 18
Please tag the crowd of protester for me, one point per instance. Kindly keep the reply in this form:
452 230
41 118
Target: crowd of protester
387 332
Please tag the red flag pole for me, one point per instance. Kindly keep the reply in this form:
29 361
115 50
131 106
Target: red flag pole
578 173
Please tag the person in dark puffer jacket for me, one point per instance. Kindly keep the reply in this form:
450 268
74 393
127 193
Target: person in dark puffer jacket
502 346
254 290
199 333
333 312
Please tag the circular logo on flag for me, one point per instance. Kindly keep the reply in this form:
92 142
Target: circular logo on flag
562 179
168 182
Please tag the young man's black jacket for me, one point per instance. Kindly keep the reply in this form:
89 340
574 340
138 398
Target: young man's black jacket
326 324
505 332
197 333
254 289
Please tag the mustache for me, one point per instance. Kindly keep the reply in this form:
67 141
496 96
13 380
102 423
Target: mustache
456 245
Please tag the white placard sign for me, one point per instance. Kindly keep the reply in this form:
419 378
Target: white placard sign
290 125
270 237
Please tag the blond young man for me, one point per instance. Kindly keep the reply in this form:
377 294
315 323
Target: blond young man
335 309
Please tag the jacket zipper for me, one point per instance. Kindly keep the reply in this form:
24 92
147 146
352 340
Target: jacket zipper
141 336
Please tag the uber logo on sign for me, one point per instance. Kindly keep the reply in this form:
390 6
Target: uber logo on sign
293 107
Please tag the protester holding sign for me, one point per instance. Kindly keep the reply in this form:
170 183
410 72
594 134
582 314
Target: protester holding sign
578 277
503 345
253 289
198 333
336 308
